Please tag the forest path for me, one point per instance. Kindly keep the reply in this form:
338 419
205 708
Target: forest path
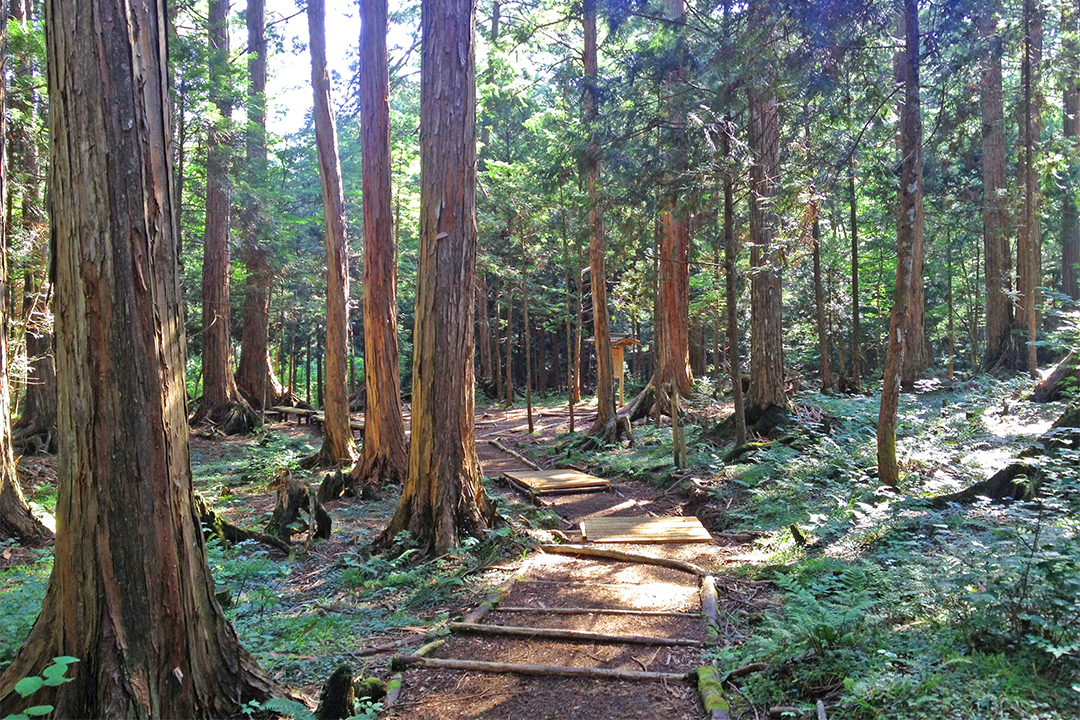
650 602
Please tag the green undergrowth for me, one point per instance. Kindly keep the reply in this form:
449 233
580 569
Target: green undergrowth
22 589
895 608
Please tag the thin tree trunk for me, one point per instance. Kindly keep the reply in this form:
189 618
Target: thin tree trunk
338 446
606 427
509 346
999 306
443 498
731 292
907 229
384 456
856 347
1070 222
819 311
483 324
498 336
131 595
571 379
525 329
1029 238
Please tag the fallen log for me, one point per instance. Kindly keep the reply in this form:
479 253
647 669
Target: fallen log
597 611
581 635
711 689
1065 375
683 565
489 603
497 443
548 670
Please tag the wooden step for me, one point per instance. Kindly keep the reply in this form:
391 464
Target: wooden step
644 530
580 635
552 482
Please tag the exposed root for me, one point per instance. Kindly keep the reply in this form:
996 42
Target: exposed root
606 433
229 419
212 522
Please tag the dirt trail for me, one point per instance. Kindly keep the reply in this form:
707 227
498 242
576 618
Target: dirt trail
546 582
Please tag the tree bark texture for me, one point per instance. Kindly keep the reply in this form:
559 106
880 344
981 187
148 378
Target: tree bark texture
997 268
130 594
384 457
1070 218
338 446
856 346
443 498
673 361
819 312
766 301
916 350
1029 237
907 229
255 376
219 385
605 428
731 293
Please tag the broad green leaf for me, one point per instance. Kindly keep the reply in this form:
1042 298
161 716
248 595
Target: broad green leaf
38 710
29 685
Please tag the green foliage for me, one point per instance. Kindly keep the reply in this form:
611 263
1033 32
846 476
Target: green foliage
52 676
22 589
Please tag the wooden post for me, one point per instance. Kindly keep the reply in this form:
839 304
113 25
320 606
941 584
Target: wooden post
617 359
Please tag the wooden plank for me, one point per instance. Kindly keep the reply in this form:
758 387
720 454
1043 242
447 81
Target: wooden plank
552 481
644 530
596 611
579 635
619 555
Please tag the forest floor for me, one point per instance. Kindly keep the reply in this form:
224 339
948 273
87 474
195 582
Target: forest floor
891 607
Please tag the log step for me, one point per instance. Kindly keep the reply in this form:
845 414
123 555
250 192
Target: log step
580 635
597 611
550 670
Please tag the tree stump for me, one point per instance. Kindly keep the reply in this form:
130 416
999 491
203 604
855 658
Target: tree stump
292 499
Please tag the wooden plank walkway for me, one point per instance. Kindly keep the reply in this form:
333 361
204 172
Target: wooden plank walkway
644 530
553 482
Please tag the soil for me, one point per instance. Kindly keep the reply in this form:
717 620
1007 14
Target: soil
560 581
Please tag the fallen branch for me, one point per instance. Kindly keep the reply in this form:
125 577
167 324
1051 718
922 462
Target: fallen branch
559 634
710 687
394 687
683 565
747 669
547 670
515 453
388 647
709 601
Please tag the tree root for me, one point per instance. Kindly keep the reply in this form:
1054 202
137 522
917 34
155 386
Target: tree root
1065 375
603 434
230 419
212 522
1020 480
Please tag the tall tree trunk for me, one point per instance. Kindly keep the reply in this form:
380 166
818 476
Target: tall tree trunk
999 307
509 346
1029 238
731 292
673 356
384 457
907 229
571 376
819 312
338 446
916 349
443 498
255 376
856 346
606 428
525 329
766 302
16 521
131 593
1070 222
221 402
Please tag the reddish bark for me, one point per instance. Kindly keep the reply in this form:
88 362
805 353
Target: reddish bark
130 594
443 498
384 457
338 446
